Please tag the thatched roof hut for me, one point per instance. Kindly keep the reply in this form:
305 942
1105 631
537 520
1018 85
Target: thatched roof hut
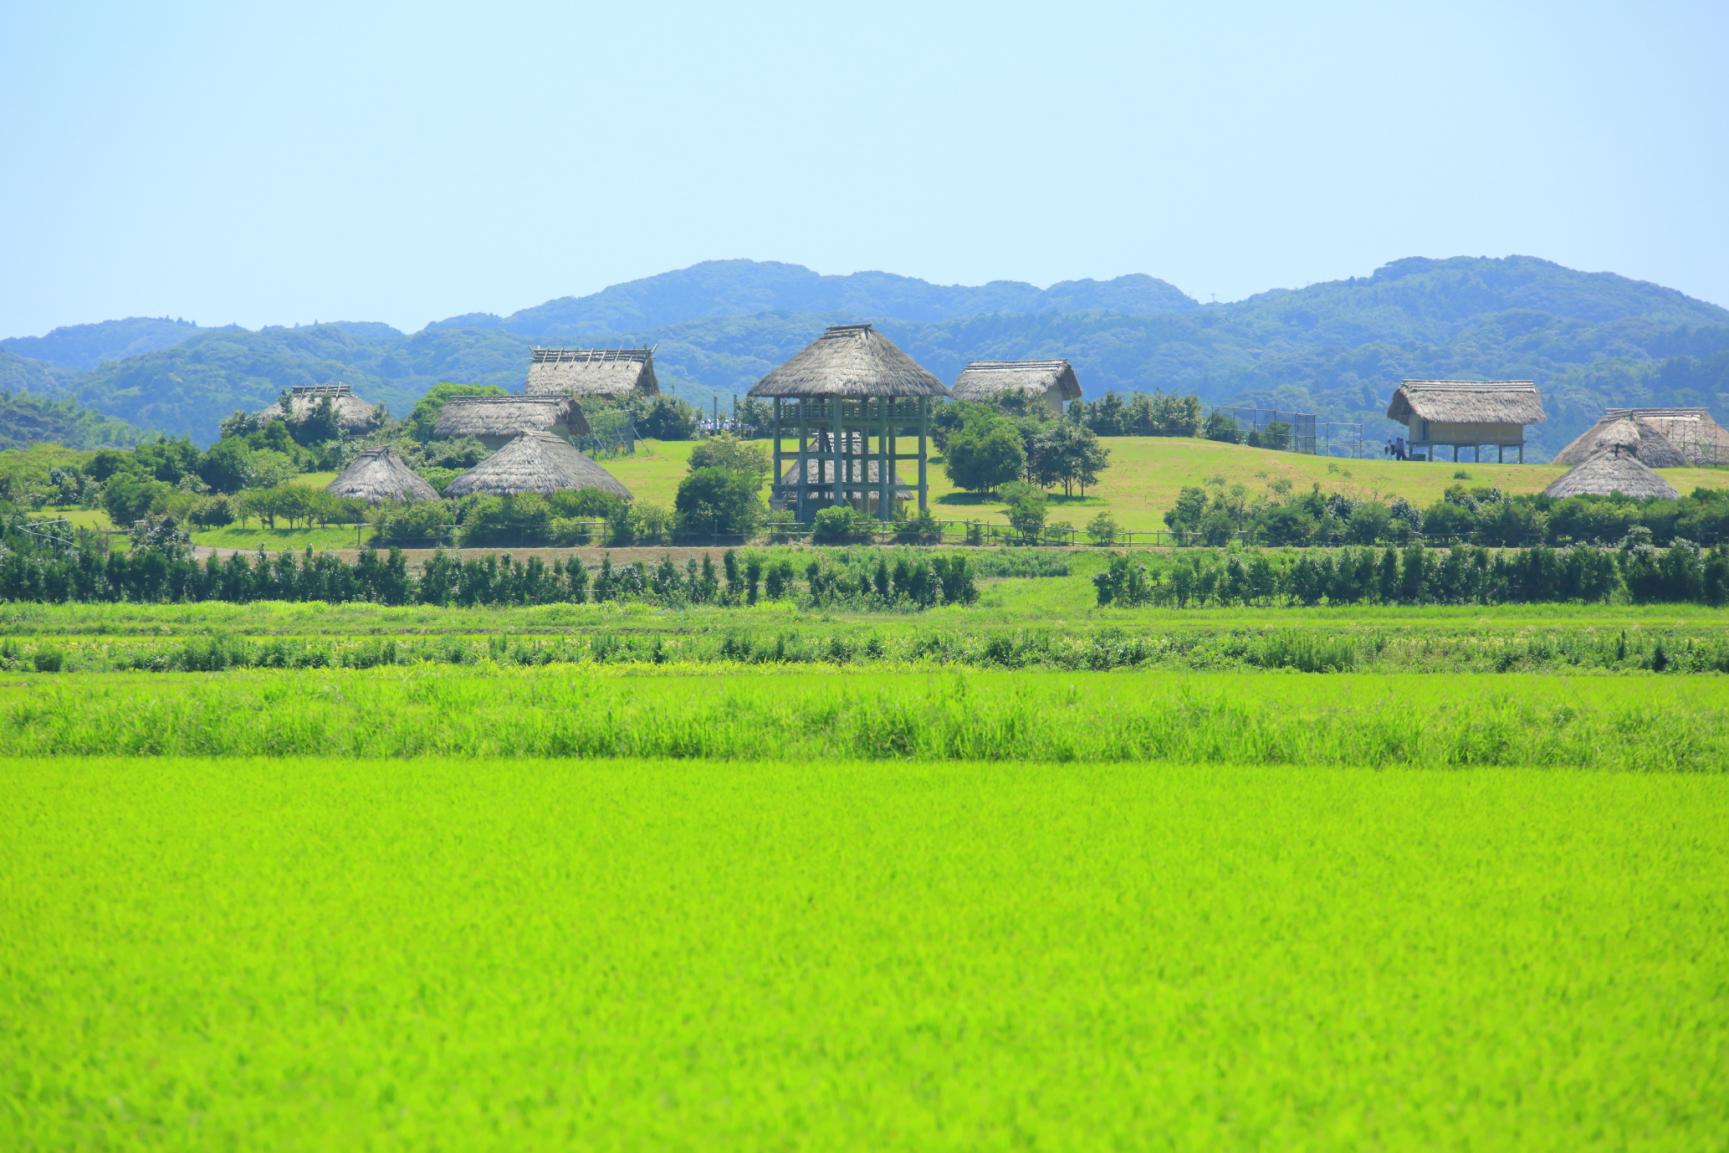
352 414
1052 381
1467 402
613 373
850 361
378 476
497 420
1661 437
535 462
1612 472
1466 414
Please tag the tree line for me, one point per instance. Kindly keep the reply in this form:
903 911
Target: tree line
1462 575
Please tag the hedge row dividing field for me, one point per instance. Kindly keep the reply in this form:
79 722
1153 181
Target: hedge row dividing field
449 953
1376 720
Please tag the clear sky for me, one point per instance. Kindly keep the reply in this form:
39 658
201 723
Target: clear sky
280 163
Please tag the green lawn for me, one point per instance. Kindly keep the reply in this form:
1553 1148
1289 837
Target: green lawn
277 539
317 954
1146 473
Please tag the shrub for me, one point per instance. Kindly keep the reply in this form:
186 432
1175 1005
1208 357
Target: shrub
983 455
1026 510
426 524
840 524
920 529
1102 530
716 500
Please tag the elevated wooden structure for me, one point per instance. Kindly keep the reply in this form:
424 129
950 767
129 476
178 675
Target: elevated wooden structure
849 399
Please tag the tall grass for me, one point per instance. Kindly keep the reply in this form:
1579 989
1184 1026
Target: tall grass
680 712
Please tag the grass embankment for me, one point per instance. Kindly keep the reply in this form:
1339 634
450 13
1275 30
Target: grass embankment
1145 476
1671 724
324 954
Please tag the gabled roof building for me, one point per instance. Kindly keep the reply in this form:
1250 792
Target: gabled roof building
1051 381
611 373
1466 414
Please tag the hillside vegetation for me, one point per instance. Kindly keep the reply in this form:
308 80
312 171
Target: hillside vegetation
27 419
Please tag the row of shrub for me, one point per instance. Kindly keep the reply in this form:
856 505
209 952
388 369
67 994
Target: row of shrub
1463 574
158 574
1216 514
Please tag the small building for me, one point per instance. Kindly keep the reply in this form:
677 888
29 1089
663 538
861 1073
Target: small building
1613 472
498 420
539 462
854 384
592 373
1051 382
1469 414
379 476
1660 437
353 415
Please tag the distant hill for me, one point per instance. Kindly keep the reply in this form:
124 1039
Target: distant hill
1337 348
727 288
82 347
27 419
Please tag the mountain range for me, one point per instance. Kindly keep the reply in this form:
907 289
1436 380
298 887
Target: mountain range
1337 348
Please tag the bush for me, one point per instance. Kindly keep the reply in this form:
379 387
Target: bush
525 519
1102 530
840 524
920 529
714 500
1026 510
728 452
426 524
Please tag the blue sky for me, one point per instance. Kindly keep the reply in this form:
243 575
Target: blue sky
262 163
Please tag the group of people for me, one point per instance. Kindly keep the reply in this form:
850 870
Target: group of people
1396 448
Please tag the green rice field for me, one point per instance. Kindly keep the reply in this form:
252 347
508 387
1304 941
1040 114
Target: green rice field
459 953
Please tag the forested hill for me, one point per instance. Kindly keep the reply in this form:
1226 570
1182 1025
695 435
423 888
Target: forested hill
1338 348
81 347
26 419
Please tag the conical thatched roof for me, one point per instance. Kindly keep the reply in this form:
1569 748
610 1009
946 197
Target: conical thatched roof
352 413
987 379
1611 472
1467 402
1626 434
615 373
535 462
850 360
378 475
497 420
1661 437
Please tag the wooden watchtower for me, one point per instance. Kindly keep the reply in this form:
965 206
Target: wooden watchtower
849 398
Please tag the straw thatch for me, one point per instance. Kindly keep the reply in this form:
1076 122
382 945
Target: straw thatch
614 373
352 413
1033 379
1624 434
1467 402
535 462
497 420
820 448
1661 437
851 361
1611 472
378 476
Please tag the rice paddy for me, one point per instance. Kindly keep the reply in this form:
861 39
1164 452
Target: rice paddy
450 953
1028 873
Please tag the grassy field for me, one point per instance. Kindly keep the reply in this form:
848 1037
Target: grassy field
316 954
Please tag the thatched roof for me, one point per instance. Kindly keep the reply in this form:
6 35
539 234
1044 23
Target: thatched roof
1622 432
1609 472
535 462
986 379
501 418
615 373
1661 437
378 475
822 466
352 413
1468 402
850 360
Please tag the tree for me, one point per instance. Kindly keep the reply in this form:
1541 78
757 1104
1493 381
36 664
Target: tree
1026 508
318 426
723 501
1067 454
728 452
227 466
128 498
1102 529
664 418
1221 427
983 455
